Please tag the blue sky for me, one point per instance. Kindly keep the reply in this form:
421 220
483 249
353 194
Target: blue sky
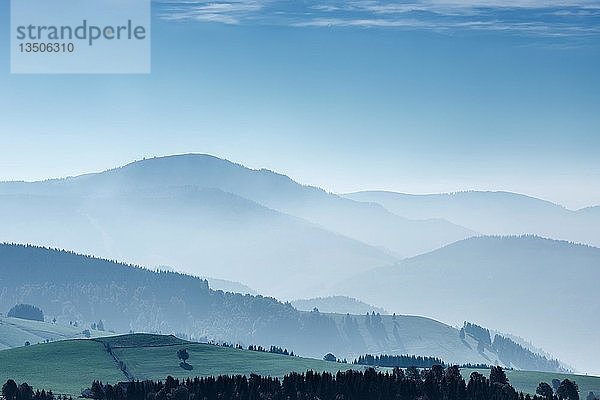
419 97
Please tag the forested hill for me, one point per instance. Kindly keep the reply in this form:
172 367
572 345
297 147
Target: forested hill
26 264
71 287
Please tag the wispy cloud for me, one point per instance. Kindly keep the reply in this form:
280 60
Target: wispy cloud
227 12
546 18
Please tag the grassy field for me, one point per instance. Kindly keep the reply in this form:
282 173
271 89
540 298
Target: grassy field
69 366
14 332
64 367
207 360
527 381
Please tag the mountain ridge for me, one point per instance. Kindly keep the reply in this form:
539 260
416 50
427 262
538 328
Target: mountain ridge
475 275
494 213
195 229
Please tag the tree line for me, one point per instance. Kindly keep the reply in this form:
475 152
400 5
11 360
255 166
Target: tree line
436 383
404 361
272 349
253 347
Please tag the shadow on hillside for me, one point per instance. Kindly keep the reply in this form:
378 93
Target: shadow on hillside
186 366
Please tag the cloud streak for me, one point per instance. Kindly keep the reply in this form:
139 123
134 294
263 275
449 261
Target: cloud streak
543 18
227 12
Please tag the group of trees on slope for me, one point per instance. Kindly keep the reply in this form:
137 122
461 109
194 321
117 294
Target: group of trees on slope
512 353
508 351
26 311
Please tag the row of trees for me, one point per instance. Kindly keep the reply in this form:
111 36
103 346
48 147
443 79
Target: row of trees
272 349
476 366
436 383
398 361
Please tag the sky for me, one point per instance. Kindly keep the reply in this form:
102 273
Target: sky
419 96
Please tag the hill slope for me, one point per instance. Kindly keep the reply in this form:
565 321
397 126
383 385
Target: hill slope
71 287
68 367
14 332
498 282
494 213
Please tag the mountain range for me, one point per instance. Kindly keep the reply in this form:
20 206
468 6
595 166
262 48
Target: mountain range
202 231
209 216
412 254
494 213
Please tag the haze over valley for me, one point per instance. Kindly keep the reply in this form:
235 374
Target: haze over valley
259 232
